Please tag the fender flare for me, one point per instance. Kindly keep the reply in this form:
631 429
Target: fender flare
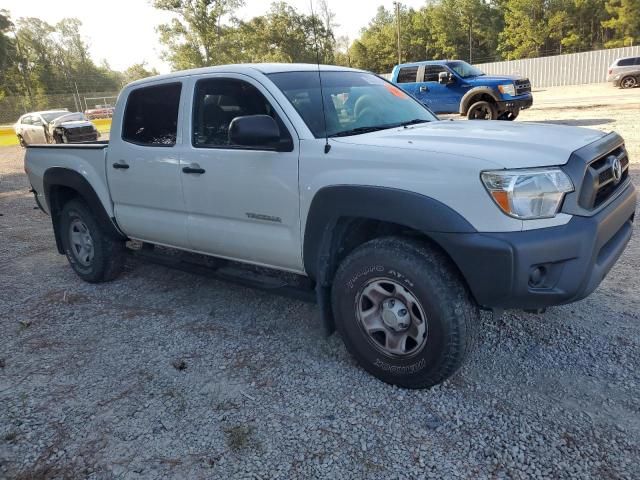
465 103
402 207
331 205
64 177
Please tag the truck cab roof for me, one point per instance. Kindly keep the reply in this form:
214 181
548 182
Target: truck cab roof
264 68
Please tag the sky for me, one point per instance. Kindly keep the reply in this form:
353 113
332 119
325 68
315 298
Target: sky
123 31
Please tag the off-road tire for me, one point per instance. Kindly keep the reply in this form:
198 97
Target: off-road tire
451 313
482 110
108 253
628 82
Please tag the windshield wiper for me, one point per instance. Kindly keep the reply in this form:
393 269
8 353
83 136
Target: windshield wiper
413 122
359 130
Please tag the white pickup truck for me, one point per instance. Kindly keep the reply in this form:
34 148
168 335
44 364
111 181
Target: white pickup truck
401 226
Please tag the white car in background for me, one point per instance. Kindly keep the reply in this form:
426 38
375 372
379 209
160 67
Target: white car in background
54 126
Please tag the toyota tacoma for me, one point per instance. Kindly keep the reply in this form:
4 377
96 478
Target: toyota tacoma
399 225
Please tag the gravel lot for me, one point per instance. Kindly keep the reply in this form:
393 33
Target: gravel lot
164 374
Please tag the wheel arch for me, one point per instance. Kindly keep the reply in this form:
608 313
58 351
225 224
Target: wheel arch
343 217
62 185
475 95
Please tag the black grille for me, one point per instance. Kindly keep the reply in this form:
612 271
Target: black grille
80 130
601 179
522 86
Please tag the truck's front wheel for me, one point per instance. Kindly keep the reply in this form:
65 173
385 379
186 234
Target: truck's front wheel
482 110
403 312
93 255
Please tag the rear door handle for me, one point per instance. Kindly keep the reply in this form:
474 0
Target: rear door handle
121 164
193 169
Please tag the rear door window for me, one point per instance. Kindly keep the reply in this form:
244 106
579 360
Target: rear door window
407 75
151 115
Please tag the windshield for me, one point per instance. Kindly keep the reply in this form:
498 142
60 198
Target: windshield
50 116
464 69
354 102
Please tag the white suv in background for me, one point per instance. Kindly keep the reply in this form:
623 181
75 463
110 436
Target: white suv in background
622 65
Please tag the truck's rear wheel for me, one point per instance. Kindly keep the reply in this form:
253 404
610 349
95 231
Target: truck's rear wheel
93 255
403 312
482 110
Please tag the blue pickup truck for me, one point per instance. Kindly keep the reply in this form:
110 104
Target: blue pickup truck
454 86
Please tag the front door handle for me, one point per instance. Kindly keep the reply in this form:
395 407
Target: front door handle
193 169
423 89
121 164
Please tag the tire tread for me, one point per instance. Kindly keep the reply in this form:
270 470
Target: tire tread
461 334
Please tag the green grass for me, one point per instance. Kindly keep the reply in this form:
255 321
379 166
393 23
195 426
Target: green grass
7 139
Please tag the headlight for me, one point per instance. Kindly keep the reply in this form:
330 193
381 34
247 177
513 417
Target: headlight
508 89
528 194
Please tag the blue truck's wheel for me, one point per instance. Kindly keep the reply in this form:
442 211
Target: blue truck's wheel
482 110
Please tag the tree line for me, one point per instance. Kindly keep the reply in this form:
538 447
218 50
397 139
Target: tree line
205 32
39 59
489 30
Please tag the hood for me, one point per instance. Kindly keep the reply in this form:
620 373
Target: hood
492 79
71 120
73 124
509 144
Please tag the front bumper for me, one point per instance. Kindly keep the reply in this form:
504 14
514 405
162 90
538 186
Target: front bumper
516 104
616 80
572 259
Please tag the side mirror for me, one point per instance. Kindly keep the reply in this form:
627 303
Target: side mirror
445 78
254 131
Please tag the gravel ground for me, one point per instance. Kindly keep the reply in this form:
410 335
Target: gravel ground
164 374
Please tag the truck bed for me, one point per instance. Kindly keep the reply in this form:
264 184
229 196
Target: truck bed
87 159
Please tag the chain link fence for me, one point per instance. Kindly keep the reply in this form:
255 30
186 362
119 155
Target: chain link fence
12 107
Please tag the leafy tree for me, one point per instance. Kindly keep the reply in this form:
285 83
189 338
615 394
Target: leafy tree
376 49
136 72
624 21
464 29
197 36
526 29
7 54
283 35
